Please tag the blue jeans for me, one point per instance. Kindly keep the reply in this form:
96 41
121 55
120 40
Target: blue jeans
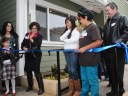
89 77
72 62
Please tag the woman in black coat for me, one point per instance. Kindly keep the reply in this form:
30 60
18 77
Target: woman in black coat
32 41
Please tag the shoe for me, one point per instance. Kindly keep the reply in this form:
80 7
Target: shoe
110 94
40 83
13 94
121 94
29 89
40 91
6 94
109 85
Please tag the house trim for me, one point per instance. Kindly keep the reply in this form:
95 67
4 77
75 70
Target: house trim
94 5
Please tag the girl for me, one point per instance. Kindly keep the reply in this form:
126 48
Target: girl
71 41
7 61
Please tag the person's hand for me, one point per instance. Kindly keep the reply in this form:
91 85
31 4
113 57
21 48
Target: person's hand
82 50
117 41
30 38
76 49
79 29
7 51
25 48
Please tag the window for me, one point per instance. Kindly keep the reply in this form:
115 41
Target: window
52 21
41 18
56 24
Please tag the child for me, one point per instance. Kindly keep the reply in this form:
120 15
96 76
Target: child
7 61
89 38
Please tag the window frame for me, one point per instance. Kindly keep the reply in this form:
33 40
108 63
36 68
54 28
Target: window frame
47 5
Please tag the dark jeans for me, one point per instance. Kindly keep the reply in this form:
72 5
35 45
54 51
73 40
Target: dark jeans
115 71
102 70
72 61
103 63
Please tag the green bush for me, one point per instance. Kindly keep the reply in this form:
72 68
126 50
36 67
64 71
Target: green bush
54 75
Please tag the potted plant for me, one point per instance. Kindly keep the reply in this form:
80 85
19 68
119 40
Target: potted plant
51 83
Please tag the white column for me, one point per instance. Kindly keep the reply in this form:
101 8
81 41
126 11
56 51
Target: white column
21 29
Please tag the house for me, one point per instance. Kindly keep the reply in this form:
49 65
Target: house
122 6
51 16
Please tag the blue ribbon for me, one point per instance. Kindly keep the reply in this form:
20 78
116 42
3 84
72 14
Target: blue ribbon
101 48
118 45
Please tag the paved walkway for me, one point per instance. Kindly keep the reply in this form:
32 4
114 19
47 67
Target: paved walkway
103 88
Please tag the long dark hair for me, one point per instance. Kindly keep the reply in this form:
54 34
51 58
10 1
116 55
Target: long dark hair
72 20
3 32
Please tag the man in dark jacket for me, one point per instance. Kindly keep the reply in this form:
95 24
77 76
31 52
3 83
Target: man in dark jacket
115 30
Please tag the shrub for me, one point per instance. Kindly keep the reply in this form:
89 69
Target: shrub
54 73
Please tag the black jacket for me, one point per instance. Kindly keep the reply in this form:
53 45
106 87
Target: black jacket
32 59
13 44
6 56
115 30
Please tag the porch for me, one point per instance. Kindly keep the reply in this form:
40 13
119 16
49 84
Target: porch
103 88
